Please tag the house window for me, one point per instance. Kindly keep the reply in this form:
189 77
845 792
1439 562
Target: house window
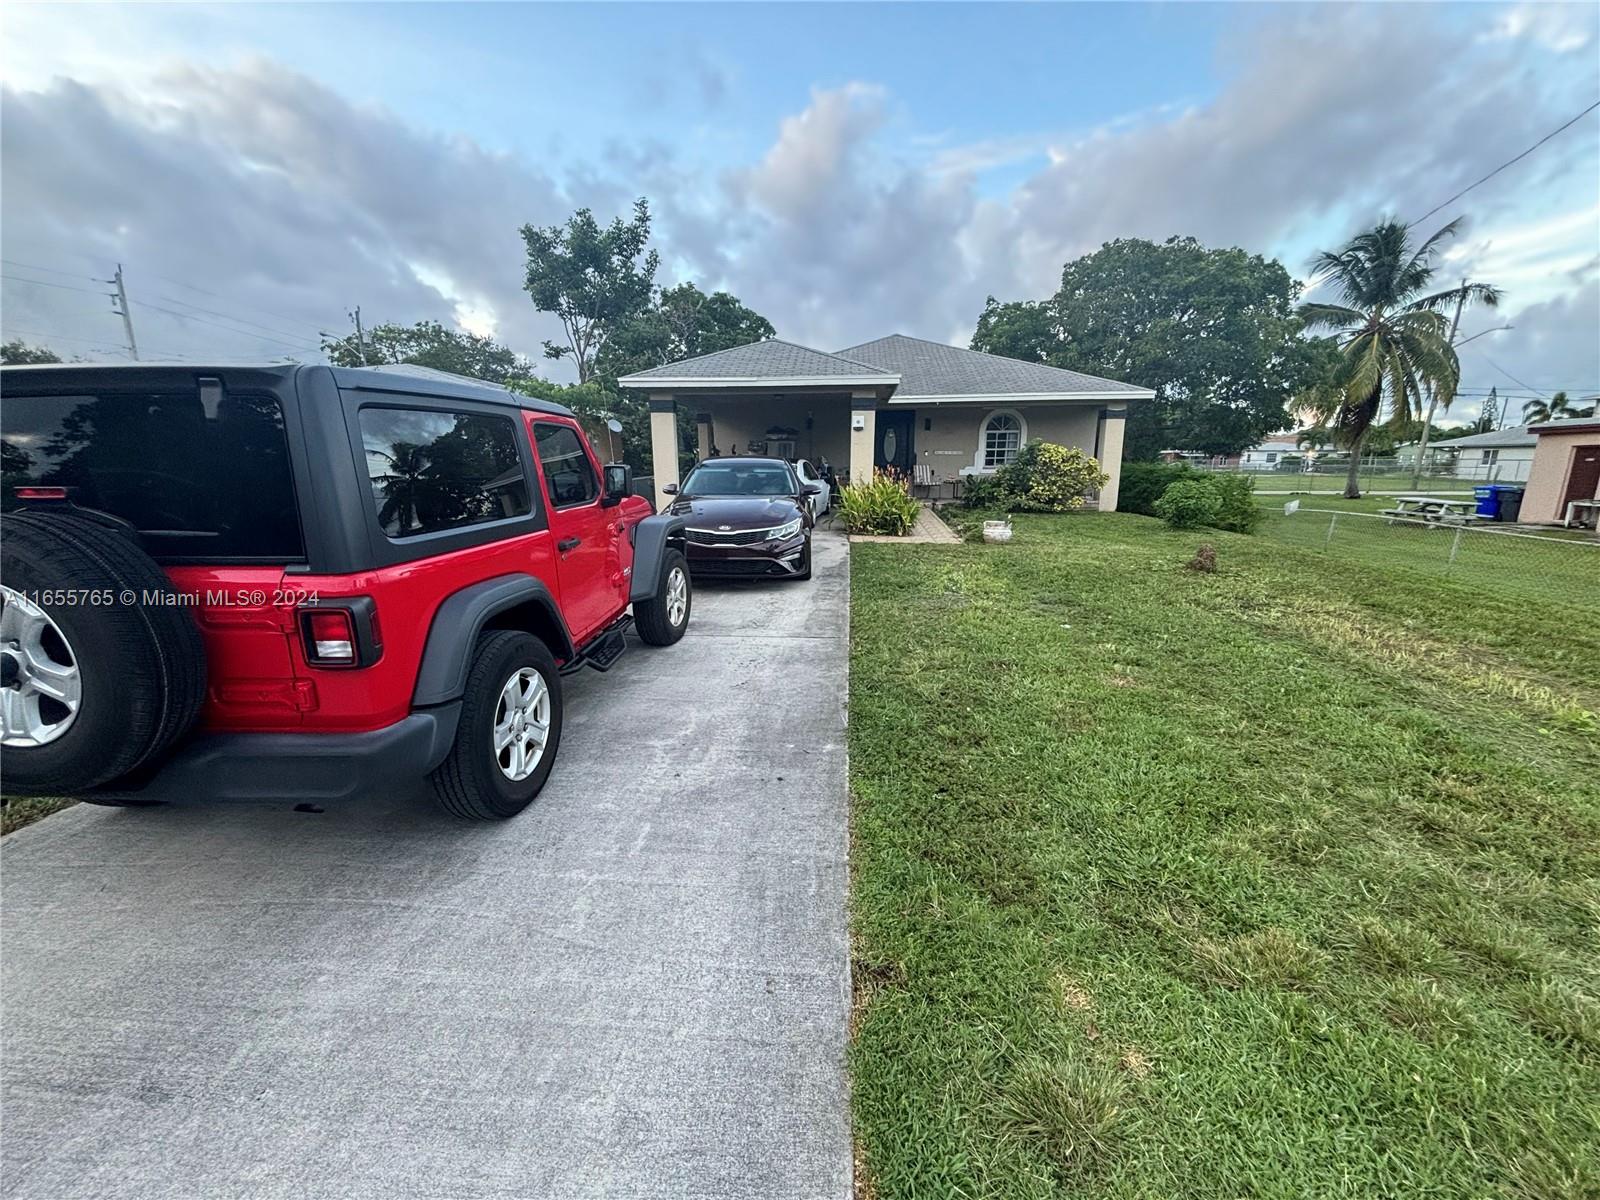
1272 457
1000 440
1490 456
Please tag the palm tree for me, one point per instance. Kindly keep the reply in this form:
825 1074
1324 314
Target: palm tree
1393 339
1558 408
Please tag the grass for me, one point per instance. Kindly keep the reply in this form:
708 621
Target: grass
17 811
1483 561
1282 881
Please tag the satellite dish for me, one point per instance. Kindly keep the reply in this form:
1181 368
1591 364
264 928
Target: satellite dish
614 425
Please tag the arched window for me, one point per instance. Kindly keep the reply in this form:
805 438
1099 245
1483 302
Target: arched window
999 439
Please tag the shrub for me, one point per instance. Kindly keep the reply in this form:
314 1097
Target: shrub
1236 503
1043 478
1218 500
883 505
1144 482
983 491
1189 504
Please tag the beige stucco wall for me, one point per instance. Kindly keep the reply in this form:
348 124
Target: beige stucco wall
1545 499
952 442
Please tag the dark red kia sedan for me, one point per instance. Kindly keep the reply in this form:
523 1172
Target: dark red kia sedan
746 517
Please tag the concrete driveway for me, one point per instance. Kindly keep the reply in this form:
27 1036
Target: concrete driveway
638 988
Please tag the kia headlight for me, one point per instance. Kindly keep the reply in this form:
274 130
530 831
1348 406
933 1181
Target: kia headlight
785 531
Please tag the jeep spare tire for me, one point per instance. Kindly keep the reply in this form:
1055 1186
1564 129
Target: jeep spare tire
104 669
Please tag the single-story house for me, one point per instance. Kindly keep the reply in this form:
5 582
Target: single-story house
1266 455
1565 467
937 412
1500 456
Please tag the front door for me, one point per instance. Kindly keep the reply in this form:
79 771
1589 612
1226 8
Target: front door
586 530
1585 475
894 447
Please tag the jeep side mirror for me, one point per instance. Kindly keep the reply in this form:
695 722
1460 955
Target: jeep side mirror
619 483
669 489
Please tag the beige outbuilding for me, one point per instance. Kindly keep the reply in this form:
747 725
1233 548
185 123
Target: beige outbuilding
1565 470
939 413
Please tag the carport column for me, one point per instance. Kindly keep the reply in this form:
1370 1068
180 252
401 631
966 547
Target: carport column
663 445
863 435
705 434
1113 422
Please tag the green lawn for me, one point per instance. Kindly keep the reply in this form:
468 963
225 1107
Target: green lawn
1283 881
1543 568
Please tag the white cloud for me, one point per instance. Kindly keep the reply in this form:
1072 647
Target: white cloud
282 196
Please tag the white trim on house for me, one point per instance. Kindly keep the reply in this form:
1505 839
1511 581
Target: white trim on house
1024 397
686 383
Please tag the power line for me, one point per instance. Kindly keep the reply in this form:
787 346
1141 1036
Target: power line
65 287
49 270
172 312
1510 376
1507 163
231 317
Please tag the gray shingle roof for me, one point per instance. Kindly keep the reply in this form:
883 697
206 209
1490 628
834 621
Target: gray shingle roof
937 369
771 359
1513 435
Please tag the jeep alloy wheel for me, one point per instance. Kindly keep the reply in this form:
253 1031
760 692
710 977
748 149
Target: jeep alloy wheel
677 596
521 724
42 688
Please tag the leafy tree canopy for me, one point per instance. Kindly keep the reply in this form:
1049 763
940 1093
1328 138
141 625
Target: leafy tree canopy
428 344
592 279
683 322
19 353
1212 332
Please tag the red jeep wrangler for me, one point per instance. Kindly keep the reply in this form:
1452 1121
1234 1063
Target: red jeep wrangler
307 582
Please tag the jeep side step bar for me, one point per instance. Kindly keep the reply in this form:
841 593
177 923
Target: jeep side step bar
601 651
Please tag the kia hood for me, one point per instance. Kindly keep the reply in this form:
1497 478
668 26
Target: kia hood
736 512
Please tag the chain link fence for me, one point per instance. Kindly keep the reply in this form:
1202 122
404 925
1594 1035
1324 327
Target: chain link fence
1550 567
1381 473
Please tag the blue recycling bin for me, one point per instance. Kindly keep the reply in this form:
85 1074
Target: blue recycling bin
1488 501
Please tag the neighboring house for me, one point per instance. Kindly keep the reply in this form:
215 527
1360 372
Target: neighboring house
1565 467
937 412
1501 456
1267 455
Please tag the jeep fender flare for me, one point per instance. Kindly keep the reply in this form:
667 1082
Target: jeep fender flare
464 615
652 538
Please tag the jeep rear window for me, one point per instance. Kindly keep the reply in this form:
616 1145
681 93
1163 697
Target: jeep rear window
201 479
442 470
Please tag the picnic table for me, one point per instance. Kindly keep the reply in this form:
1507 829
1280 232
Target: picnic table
1440 510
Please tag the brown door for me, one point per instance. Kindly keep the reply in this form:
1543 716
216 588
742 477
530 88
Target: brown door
1585 475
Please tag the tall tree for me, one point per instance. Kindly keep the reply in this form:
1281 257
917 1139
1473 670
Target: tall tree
19 353
1212 332
1393 338
428 344
1557 408
592 279
683 322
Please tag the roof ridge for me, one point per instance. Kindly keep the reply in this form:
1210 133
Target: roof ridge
766 342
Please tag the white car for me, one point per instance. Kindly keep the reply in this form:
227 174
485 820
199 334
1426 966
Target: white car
809 477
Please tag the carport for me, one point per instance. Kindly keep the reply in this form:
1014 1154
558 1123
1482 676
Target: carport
770 397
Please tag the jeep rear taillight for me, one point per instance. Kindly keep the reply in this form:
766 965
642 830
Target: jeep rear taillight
341 633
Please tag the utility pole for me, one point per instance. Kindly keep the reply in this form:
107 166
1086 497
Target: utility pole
1433 397
361 340
120 297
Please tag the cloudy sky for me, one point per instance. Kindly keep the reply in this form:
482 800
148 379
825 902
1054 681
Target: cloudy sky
849 171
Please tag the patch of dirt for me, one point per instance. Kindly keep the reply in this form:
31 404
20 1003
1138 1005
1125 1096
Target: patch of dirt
1135 1062
1073 995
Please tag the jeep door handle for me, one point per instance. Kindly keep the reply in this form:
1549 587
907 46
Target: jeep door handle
566 544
